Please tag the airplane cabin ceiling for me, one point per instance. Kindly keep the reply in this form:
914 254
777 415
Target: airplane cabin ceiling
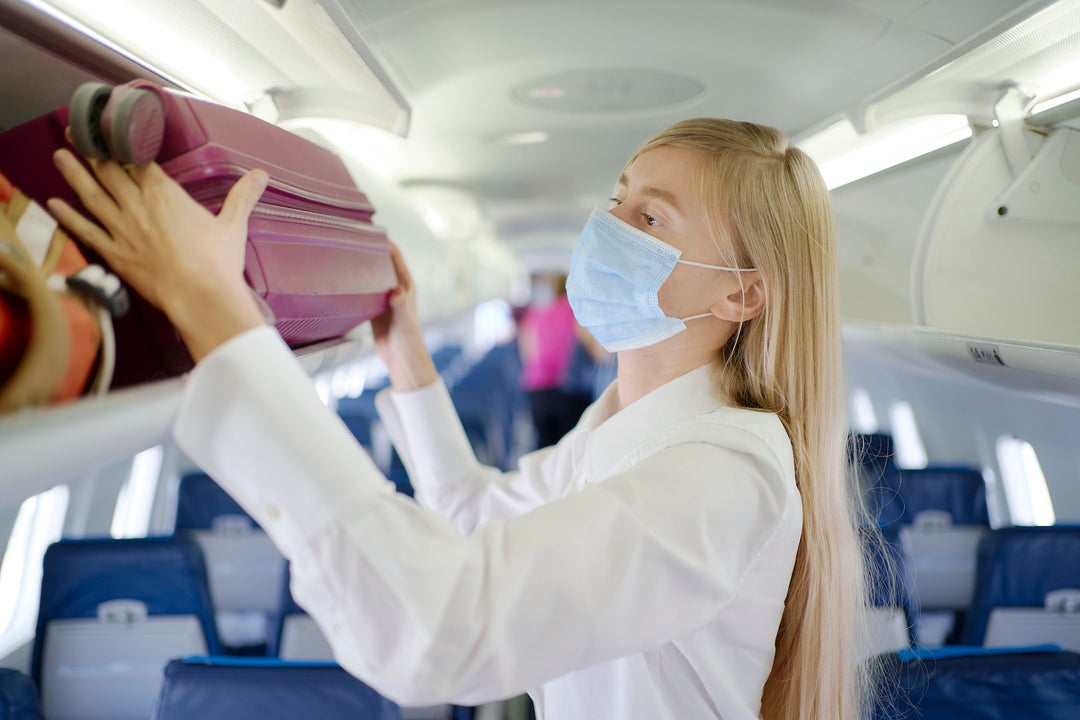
794 64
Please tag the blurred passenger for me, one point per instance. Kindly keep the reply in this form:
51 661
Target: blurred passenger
550 377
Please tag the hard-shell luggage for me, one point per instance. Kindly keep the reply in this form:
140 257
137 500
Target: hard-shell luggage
313 255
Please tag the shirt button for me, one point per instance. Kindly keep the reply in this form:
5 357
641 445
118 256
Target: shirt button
273 511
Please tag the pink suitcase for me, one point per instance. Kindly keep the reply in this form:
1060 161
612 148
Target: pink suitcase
312 254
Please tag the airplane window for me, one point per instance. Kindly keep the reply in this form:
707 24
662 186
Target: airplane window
39 523
998 515
322 389
863 417
131 518
1025 485
348 381
910 452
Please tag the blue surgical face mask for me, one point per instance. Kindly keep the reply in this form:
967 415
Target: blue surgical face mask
616 271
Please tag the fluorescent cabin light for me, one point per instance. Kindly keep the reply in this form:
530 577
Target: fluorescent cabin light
844 156
131 27
531 137
1055 101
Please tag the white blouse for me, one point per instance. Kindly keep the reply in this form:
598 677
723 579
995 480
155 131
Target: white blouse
637 569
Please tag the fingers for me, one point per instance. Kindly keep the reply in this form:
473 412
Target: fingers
90 192
405 279
116 180
85 230
243 197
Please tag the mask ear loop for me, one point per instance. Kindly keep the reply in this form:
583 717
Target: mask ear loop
742 313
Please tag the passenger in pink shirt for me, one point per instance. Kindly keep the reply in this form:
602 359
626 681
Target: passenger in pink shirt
547 338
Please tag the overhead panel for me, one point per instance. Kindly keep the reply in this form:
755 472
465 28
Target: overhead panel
289 61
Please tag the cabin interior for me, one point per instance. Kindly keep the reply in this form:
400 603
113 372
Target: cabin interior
484 132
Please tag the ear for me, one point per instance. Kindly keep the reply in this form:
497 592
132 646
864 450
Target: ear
745 303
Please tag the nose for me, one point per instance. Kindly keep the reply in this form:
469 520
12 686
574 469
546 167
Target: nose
622 211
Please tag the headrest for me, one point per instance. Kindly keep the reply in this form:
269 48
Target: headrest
960 491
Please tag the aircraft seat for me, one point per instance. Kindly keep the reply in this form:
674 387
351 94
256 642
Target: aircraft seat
200 501
893 613
487 397
208 688
939 514
243 566
112 614
299 639
1027 588
1030 683
872 449
871 458
18 696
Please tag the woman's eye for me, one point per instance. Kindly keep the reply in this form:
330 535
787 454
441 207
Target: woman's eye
649 219
614 202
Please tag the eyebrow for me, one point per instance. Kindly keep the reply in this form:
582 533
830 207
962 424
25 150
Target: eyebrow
659 193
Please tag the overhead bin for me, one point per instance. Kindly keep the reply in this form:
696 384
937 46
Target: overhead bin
999 248
290 61
995 253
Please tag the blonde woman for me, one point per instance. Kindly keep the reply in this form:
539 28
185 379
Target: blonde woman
686 552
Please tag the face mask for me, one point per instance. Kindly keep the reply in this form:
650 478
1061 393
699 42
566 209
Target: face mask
615 273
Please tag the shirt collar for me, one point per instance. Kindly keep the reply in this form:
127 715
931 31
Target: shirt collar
611 438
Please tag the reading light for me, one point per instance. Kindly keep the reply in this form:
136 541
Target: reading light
844 156
1055 102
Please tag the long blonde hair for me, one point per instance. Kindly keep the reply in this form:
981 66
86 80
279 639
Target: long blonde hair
769 209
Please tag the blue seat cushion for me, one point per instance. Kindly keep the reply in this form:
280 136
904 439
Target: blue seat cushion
261 688
1025 684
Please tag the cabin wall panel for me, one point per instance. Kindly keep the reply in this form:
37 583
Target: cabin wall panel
960 420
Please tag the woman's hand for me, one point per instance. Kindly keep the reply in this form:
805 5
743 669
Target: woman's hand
399 341
177 255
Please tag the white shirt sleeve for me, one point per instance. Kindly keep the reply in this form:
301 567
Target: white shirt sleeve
444 471
425 614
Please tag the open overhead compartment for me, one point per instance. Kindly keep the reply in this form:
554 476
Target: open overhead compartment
280 63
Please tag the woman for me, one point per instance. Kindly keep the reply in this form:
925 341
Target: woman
687 551
551 361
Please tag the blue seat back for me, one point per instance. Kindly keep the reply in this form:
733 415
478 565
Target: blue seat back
960 491
1016 684
287 606
889 575
18 696
872 450
1017 567
261 688
168 575
200 500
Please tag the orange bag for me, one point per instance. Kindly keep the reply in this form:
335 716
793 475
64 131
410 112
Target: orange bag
51 328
